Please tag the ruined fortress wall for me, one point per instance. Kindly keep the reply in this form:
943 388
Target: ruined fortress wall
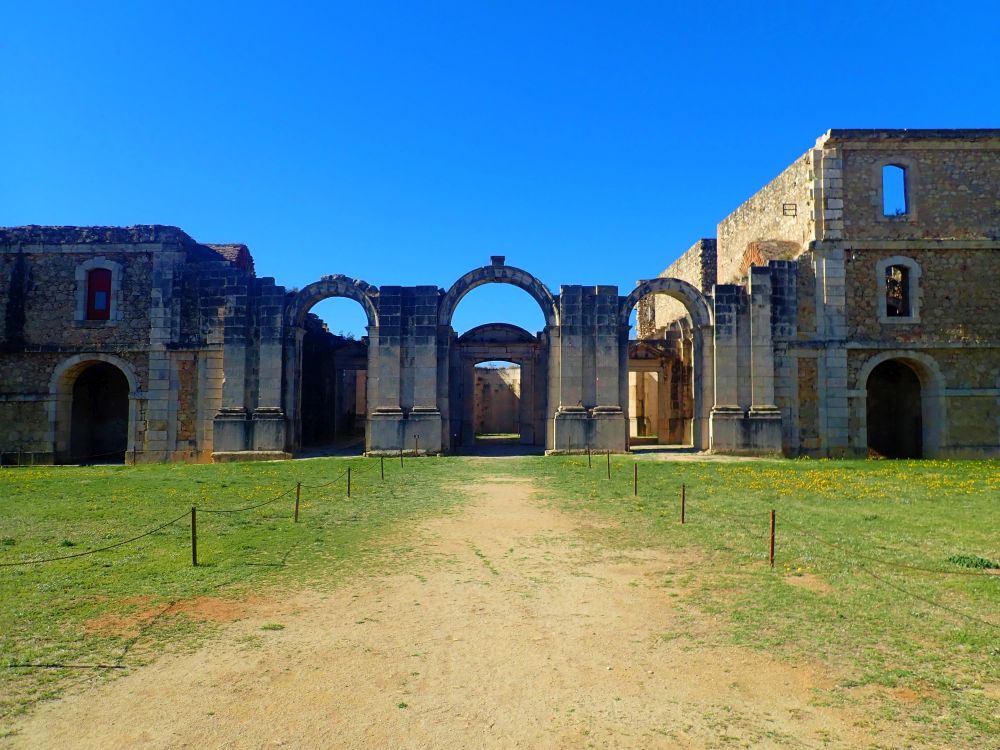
951 187
776 223
164 332
953 299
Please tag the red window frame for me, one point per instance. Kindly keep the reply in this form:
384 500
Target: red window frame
98 284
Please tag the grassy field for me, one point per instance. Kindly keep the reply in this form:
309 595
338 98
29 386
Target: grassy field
55 511
876 562
852 587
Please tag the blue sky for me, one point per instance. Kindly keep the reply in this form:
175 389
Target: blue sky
405 143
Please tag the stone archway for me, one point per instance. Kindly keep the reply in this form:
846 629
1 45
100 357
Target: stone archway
333 286
906 406
93 405
498 273
894 416
452 365
703 360
348 363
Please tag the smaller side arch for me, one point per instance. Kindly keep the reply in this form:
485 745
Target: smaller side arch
498 274
60 402
692 299
333 286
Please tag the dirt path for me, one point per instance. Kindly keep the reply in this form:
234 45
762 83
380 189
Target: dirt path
513 628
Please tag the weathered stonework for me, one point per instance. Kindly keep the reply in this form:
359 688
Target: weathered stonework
814 324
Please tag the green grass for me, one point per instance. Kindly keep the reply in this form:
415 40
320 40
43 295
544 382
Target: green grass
904 629
54 511
882 628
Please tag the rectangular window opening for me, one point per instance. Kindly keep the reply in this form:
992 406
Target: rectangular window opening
897 292
894 201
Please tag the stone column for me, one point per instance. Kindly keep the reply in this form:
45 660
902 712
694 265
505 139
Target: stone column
832 329
268 423
569 430
727 414
420 347
765 418
232 427
160 396
385 428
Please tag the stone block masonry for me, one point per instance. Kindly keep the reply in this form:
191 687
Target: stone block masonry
816 323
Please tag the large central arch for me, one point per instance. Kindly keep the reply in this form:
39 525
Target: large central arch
498 273
702 323
453 368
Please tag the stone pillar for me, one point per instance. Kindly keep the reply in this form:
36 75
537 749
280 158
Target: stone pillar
727 413
385 418
232 427
268 423
420 352
609 421
569 429
163 330
765 418
831 326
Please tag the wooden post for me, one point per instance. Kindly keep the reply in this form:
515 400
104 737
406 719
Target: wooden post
194 536
298 493
401 457
348 481
590 464
609 464
772 538
683 501
635 479
416 445
381 466
133 456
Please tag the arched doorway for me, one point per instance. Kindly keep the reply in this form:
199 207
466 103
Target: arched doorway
326 369
670 365
100 415
894 416
495 342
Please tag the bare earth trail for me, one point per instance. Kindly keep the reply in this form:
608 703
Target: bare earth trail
510 627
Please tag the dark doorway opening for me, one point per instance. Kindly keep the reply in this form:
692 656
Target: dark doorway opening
99 421
334 391
895 414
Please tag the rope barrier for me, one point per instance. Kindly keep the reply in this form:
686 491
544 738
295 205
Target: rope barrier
248 507
95 551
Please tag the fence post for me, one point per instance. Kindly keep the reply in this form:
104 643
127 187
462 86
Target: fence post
683 501
298 493
194 536
381 466
609 463
348 481
772 538
590 465
400 456
416 445
635 479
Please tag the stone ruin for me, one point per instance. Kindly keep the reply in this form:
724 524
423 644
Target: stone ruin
848 308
